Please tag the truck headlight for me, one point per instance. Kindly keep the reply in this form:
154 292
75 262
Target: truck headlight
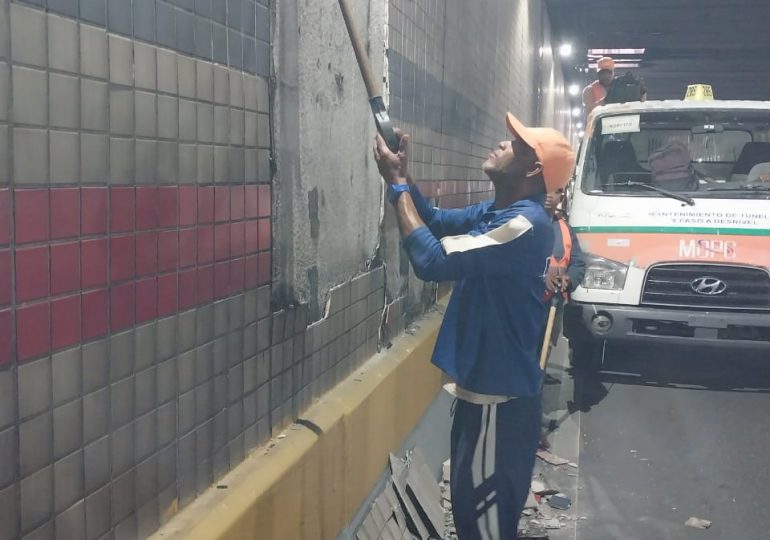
604 274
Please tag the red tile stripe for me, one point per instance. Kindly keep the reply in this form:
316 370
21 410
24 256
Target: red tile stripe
79 263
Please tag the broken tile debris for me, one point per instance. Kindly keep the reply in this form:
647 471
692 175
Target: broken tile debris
698 523
548 457
414 506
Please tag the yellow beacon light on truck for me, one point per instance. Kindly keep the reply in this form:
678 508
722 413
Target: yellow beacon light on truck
699 92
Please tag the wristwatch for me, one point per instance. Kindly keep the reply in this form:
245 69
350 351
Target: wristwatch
395 191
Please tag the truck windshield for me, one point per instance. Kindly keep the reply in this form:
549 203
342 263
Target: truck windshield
714 154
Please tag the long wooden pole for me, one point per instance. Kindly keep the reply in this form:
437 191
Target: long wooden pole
372 86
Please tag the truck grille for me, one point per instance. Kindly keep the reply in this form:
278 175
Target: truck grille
722 287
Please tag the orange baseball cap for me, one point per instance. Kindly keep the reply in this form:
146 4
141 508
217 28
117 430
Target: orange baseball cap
605 63
552 149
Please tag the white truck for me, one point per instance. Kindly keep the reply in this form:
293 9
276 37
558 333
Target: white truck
671 203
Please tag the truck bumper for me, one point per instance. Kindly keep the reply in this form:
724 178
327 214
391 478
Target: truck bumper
656 325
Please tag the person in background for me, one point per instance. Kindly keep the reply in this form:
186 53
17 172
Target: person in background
595 93
496 254
565 272
607 88
568 265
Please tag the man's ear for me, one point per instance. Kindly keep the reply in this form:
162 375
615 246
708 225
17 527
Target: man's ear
538 168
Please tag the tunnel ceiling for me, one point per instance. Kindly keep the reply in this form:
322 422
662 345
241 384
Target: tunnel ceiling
724 43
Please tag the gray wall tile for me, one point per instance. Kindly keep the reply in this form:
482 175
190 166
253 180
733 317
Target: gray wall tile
5 89
204 327
146 161
165 24
65 7
144 345
34 387
98 513
188 163
147 480
30 104
167 423
121 111
187 120
68 481
8 456
168 117
205 122
36 499
144 19
67 375
28 35
145 435
72 523
167 71
122 449
93 52
94 153
186 412
9 511
219 42
221 125
168 162
121 355
185 32
205 164
63 44
203 402
94 11
122 161
122 495
146 114
43 532
187 77
203 38
97 464
221 157
236 89
186 371
145 393
67 428
95 415
221 85
166 380
122 402
64 156
166 338
95 365
121 59
145 63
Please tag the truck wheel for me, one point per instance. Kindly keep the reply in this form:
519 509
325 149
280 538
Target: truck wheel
586 355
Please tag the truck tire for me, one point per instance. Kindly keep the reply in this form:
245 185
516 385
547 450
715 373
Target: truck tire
586 355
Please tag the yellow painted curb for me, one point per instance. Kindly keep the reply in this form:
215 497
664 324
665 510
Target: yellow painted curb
308 486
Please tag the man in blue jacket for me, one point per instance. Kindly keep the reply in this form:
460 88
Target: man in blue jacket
496 252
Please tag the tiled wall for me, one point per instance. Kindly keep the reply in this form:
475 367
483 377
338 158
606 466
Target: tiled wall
139 359
454 70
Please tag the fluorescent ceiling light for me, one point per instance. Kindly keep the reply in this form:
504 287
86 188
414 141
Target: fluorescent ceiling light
565 50
576 112
606 52
620 65
573 89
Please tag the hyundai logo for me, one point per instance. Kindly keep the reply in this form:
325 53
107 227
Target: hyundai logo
707 285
